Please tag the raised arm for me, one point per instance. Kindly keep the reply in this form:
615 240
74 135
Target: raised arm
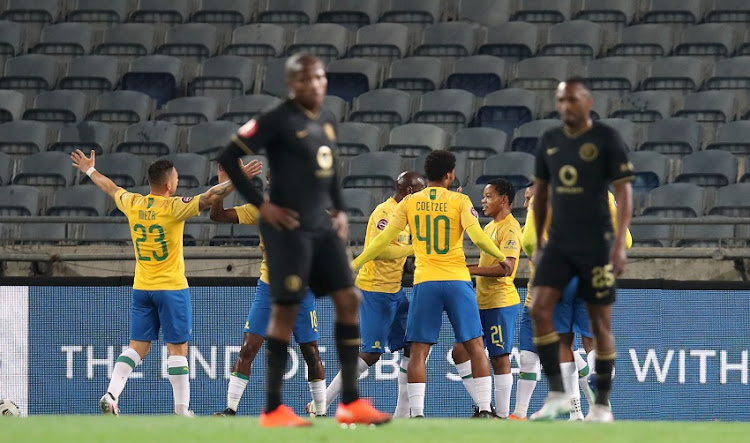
86 165
225 187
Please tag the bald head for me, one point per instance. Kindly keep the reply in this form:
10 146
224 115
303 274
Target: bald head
409 182
306 80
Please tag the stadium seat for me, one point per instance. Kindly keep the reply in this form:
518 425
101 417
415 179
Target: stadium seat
710 108
715 235
657 235
733 137
616 75
6 168
476 194
259 41
462 168
354 138
478 74
732 201
162 11
75 201
484 12
351 77
34 14
508 109
413 139
191 43
191 168
415 74
289 12
223 78
244 108
358 202
19 200
518 211
23 137
629 132
651 170
84 135
543 11
327 41
527 134
576 40
65 40
121 107
712 169
211 137
385 108
30 74
675 200
48 169
382 42
274 78
677 73
225 15
105 233
677 13
58 107
188 111
479 143
352 14
512 41
336 106
543 73
91 74
11 40
449 109
516 167
125 169
42 233
644 42
100 15
357 233
673 136
12 105
736 12
731 74
151 138
611 15
374 170
411 12
157 76
448 39
709 41
127 41
646 106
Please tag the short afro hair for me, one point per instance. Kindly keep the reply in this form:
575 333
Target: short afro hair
439 163
503 187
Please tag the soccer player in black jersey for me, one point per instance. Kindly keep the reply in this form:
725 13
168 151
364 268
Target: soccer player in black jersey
575 164
304 242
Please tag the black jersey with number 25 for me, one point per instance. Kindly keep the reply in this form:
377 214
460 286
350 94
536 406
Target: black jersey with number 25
579 168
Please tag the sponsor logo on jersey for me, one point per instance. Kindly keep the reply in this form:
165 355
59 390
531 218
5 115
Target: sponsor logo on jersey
382 223
248 129
187 199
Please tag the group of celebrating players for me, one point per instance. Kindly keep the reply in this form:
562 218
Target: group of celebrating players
578 253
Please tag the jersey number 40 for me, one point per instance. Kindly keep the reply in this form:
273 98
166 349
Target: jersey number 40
433 228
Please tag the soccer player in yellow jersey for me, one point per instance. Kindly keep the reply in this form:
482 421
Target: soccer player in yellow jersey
382 314
161 299
497 296
437 219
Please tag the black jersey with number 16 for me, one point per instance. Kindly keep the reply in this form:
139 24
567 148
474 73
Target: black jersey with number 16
579 168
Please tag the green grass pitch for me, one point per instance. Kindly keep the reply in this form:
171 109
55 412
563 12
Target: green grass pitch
165 429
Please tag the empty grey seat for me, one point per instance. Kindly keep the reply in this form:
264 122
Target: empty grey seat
229 13
577 40
732 201
121 107
42 233
157 76
74 201
153 138
678 136
244 108
485 12
325 40
336 106
646 106
223 78
707 236
127 41
348 78
65 40
413 139
259 41
710 106
274 78
418 74
651 235
354 138
383 107
60 106
99 13
161 11
449 109
527 134
516 167
350 13
91 73
45 169
30 73
710 40
23 137
191 168
462 168
676 73
106 233
675 200
513 41
358 202
708 169
728 11
194 41
543 11
384 42
357 233
543 73
613 15
629 131
478 74
508 109
476 194
210 137
673 12
12 105
618 75
185 111
125 169
297 12
651 170
84 135
411 12
448 39
6 169
644 42
34 14
11 39
731 74
19 200
733 137
375 170
479 143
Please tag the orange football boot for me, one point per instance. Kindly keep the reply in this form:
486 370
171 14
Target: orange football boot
361 411
282 417
516 418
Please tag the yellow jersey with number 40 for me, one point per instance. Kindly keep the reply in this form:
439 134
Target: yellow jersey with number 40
500 292
437 219
156 227
248 214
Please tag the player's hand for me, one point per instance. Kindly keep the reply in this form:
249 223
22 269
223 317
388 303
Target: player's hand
460 190
618 259
341 224
81 162
278 217
252 169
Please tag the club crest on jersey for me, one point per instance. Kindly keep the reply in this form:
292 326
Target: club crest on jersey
330 132
187 199
248 129
474 212
382 223
588 152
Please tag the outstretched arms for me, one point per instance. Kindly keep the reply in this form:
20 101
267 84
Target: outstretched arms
86 165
